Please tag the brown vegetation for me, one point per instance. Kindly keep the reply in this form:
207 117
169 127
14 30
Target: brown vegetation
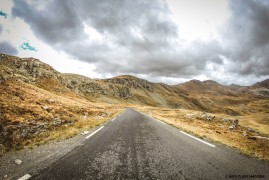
39 104
220 128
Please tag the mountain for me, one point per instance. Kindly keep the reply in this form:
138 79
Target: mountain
36 99
262 84
197 95
261 89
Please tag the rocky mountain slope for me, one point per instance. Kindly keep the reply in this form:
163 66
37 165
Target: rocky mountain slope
36 99
207 95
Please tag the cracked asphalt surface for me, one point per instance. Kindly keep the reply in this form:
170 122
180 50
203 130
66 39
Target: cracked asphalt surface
135 146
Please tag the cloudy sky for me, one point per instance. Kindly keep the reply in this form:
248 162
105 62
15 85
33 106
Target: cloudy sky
168 41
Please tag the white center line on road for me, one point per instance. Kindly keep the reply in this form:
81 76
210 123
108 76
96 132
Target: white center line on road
25 177
198 139
94 132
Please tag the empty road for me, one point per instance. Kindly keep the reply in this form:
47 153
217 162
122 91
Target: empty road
135 146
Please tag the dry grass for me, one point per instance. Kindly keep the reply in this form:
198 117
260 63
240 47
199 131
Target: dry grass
216 131
23 110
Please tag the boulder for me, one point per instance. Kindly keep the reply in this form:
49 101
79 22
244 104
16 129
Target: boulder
18 161
47 108
260 137
251 130
232 127
84 132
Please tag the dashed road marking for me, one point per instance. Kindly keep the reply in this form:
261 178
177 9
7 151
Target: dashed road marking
198 139
25 177
94 132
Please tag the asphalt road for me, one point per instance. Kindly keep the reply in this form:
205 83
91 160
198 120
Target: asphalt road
135 146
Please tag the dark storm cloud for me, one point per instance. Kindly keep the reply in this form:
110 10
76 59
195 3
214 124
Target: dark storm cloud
139 37
57 24
1 28
247 33
7 48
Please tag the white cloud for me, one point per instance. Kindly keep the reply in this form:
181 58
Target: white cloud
167 42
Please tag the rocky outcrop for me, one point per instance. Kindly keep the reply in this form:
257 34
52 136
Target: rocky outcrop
12 133
129 88
262 92
131 82
27 69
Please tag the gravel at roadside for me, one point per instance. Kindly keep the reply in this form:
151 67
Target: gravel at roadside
37 158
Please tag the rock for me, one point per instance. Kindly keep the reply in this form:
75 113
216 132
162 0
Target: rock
84 132
260 137
189 116
103 114
245 133
206 117
203 116
98 117
232 127
51 100
47 108
218 132
235 121
251 130
252 138
18 161
25 177
56 121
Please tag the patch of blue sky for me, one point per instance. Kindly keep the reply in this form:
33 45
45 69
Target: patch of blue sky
27 46
2 13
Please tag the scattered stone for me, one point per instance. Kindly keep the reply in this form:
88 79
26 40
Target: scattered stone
5 176
260 137
84 132
252 138
251 130
47 108
103 114
235 121
51 100
221 126
231 121
25 177
206 117
189 116
85 117
56 121
18 161
98 117
232 127
245 133
218 132
203 116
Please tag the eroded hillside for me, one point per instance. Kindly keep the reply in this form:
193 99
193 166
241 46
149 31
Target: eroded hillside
37 102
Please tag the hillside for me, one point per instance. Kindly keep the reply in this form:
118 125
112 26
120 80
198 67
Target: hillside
208 95
37 102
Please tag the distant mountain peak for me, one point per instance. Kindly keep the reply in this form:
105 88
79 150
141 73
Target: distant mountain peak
264 84
126 77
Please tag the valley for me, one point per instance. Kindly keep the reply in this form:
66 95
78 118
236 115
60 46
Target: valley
39 105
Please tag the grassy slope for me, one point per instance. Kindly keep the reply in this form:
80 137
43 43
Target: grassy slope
22 105
218 130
